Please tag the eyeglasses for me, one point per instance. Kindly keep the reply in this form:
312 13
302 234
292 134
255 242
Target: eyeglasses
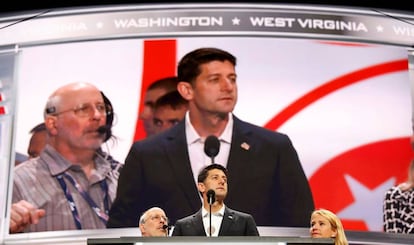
158 218
82 110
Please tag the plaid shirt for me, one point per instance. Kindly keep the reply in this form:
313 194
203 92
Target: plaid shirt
35 181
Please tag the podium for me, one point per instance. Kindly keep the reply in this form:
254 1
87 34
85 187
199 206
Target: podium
225 240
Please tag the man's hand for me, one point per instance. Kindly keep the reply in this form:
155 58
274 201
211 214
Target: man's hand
23 214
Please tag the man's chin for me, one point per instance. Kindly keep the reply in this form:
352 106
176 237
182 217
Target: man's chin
223 114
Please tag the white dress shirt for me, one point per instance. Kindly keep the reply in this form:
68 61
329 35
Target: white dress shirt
195 144
216 219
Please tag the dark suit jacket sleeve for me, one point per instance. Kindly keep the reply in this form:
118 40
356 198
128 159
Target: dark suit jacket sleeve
251 229
265 169
124 212
177 229
157 173
243 224
296 196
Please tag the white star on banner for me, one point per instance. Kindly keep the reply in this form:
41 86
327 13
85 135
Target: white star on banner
236 21
380 29
368 203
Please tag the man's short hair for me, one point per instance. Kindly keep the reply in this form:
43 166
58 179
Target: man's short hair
172 99
167 83
202 176
189 66
38 128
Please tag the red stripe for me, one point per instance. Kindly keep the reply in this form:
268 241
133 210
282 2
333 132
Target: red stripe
329 87
160 58
337 43
2 110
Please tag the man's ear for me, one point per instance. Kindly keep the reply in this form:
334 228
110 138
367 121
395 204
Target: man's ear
186 90
142 228
201 187
50 123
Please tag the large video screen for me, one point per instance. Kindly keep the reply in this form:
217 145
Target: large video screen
345 104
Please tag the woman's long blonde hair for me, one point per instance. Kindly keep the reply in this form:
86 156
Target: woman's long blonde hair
336 225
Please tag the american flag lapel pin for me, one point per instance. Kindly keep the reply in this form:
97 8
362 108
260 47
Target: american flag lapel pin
245 146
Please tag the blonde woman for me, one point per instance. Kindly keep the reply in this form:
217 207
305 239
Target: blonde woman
325 224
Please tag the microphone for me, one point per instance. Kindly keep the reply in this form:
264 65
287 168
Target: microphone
167 228
211 147
103 129
211 196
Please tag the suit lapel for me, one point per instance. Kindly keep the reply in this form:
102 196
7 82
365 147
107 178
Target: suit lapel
198 224
239 157
228 221
176 147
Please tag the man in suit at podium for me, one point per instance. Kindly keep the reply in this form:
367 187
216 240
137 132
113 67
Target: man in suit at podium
264 169
215 218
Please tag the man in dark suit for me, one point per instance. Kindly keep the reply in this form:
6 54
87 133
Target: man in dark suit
266 178
215 218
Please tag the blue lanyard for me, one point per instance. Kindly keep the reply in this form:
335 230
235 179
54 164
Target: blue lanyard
103 216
